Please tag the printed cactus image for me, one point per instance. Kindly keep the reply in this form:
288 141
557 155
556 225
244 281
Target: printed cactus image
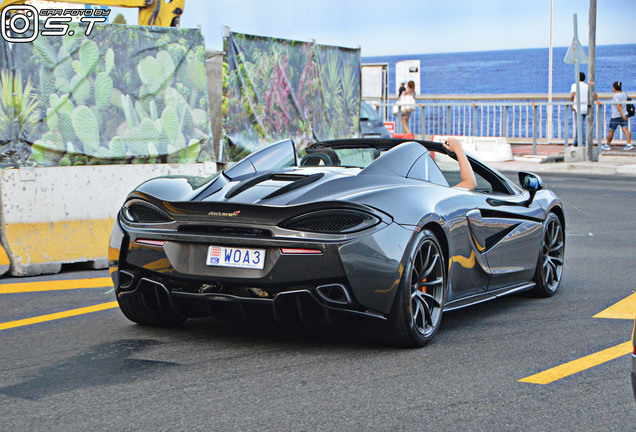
126 94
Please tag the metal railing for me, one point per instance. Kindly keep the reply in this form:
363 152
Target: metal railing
522 118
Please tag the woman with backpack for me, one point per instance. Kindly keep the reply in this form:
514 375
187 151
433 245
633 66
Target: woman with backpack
619 117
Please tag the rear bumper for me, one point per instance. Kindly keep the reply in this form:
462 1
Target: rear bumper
307 306
368 267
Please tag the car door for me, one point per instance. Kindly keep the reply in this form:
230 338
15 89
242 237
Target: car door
507 226
504 229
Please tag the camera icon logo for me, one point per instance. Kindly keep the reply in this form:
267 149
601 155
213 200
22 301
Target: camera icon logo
23 18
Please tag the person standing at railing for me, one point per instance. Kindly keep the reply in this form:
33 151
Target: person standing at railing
401 90
408 98
584 90
619 117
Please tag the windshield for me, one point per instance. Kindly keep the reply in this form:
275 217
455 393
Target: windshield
367 111
352 157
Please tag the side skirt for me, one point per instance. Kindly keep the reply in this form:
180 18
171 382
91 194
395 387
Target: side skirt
480 298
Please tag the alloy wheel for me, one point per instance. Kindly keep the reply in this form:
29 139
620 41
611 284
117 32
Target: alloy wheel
553 251
427 288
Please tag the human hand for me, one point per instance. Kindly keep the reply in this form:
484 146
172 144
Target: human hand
453 145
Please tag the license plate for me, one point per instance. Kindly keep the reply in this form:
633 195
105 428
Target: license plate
236 257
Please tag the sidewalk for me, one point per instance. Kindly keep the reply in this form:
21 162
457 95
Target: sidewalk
615 162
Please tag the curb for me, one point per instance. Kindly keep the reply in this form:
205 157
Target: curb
589 168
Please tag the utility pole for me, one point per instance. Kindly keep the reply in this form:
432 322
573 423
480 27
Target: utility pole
577 60
550 122
591 83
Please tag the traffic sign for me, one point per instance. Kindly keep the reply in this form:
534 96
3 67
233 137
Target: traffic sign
575 51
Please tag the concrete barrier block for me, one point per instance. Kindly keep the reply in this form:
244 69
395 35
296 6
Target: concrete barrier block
574 154
493 149
5 264
53 216
467 142
488 149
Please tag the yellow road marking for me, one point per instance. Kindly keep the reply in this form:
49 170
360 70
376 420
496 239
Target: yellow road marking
624 309
58 285
58 315
578 365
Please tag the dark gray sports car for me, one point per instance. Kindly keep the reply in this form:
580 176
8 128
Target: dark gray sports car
365 227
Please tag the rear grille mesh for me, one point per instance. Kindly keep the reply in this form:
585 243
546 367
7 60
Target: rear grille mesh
144 214
225 230
332 223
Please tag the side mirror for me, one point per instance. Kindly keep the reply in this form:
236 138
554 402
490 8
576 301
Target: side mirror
530 182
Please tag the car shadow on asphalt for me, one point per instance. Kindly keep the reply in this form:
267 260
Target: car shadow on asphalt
354 333
104 364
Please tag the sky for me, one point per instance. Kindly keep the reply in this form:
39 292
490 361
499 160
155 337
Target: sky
395 27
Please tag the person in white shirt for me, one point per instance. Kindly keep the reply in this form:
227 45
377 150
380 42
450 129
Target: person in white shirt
584 90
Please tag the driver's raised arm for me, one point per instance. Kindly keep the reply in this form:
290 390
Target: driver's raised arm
465 170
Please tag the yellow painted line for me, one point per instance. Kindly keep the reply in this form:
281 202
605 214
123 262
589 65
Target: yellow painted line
57 285
58 315
578 365
624 309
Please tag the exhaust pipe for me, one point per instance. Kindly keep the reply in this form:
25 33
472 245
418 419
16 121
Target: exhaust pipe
335 294
126 280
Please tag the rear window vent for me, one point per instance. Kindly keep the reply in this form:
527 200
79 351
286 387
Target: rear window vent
295 185
245 185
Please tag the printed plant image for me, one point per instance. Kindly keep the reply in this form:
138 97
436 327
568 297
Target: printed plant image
276 89
126 94
18 118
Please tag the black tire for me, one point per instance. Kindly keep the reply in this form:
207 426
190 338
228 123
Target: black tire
149 310
549 269
417 310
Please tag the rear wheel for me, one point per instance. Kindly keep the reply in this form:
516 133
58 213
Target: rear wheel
146 309
550 264
417 311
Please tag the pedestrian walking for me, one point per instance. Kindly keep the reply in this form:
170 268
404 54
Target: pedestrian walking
584 90
619 117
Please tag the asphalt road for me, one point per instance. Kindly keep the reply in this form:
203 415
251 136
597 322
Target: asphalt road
98 371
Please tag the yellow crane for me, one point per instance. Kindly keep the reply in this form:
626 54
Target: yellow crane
151 12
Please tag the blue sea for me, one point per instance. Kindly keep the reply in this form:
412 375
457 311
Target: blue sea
514 71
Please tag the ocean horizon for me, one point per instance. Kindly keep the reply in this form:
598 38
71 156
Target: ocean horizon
513 71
